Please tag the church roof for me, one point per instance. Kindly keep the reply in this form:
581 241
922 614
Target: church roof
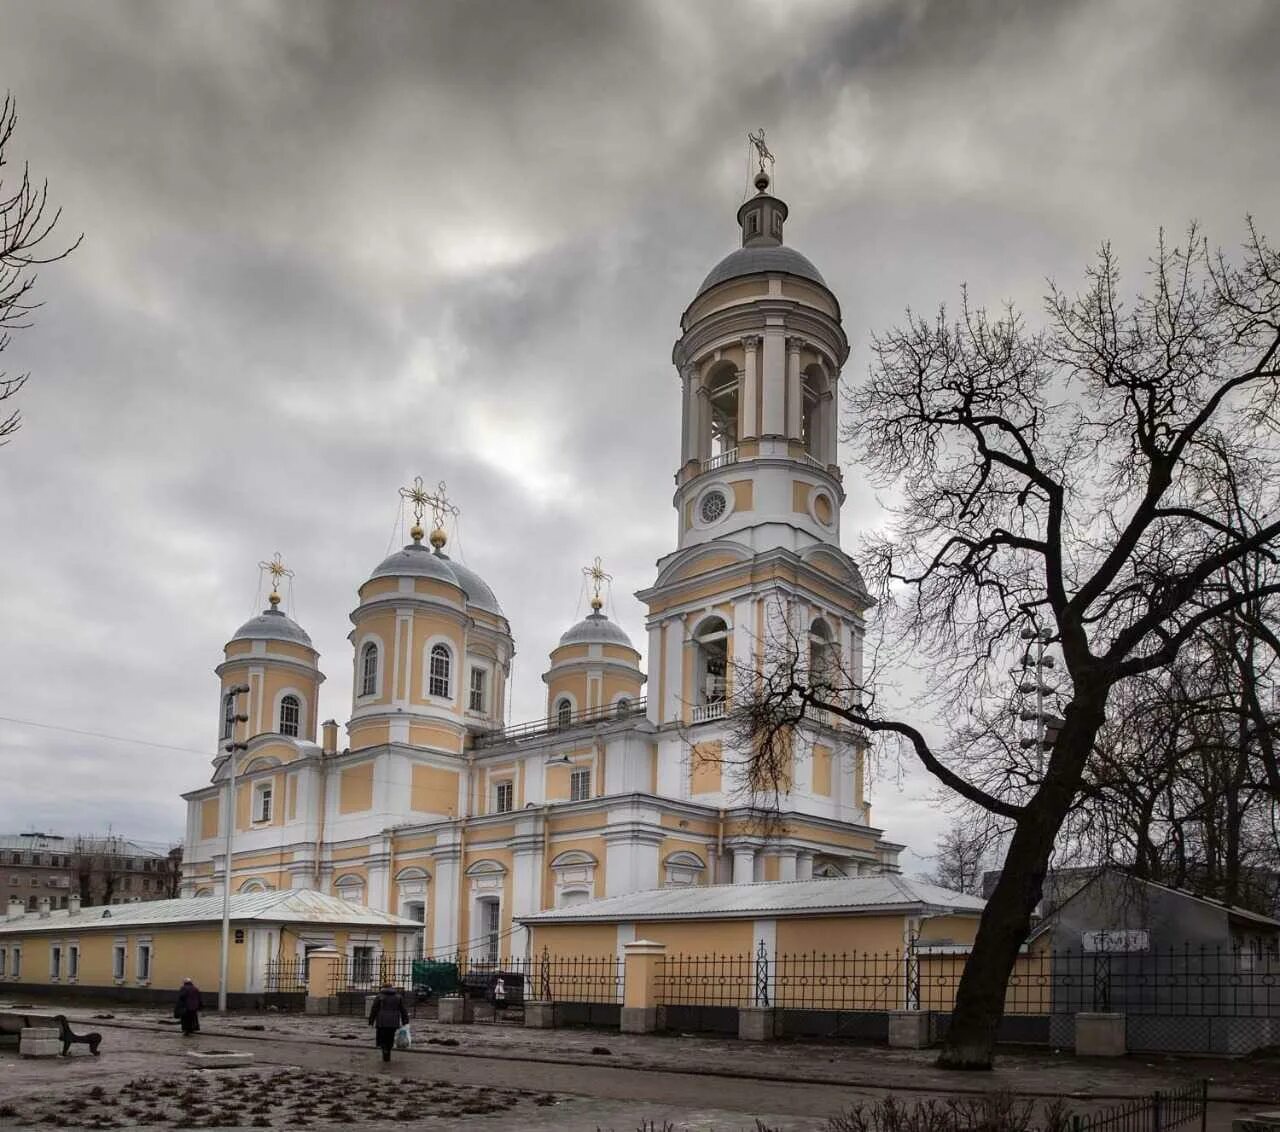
760 260
596 629
286 906
418 561
272 625
847 896
475 587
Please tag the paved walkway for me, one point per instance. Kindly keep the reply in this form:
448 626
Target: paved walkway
610 1080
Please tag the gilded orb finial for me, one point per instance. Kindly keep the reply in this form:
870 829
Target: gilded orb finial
598 577
277 569
763 155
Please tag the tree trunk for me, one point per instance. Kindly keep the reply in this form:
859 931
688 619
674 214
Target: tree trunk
1006 920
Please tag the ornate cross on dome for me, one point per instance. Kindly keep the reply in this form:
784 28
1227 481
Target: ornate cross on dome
440 505
762 150
277 569
598 577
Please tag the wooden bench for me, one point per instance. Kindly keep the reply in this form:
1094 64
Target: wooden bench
70 1038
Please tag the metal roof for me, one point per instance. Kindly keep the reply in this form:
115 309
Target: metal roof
272 625
846 896
58 843
596 628
417 561
759 261
289 906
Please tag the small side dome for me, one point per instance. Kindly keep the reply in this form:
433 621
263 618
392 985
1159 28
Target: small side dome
596 629
416 561
272 625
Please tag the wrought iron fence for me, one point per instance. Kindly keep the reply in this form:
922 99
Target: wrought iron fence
1156 1113
707 980
286 976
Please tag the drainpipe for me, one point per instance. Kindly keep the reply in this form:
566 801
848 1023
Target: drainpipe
546 860
324 805
719 842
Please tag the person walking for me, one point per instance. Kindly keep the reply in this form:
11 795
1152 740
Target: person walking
188 1007
387 1015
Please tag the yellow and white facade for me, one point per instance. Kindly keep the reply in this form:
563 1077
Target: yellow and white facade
437 809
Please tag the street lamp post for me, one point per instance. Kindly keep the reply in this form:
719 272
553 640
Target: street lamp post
233 749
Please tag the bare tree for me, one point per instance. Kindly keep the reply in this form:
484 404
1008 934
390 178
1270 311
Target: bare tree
963 852
25 228
1072 481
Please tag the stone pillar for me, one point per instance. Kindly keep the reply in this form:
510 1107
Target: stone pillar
455 1010
773 383
689 415
643 963
446 860
1100 1035
750 387
701 422
804 866
744 864
787 864
756 1024
39 1041
910 1029
794 397
320 980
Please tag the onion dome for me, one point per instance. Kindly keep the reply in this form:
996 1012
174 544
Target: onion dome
272 625
416 561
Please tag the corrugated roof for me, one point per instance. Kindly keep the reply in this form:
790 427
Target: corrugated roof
57 843
286 906
850 896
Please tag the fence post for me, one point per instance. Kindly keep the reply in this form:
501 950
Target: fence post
1155 1111
540 1011
644 961
321 969
757 1023
1204 1103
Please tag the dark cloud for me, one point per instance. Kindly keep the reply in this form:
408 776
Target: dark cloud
332 246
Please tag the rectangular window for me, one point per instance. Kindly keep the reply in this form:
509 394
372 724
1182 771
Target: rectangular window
144 962
579 785
55 962
118 955
476 702
73 961
492 929
16 960
361 965
4 957
262 802
504 798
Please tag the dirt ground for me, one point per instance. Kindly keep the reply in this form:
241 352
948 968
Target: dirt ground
323 1073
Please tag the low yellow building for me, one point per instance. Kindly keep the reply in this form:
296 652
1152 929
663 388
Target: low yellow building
143 951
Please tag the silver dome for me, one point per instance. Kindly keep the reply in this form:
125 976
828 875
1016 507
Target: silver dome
475 587
416 561
272 625
596 629
757 260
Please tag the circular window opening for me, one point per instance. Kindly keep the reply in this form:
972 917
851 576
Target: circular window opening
713 506
823 510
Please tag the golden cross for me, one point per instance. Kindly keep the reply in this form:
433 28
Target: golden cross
417 496
597 575
277 569
762 150
441 506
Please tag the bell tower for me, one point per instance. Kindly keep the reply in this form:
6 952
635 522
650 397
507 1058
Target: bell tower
758 496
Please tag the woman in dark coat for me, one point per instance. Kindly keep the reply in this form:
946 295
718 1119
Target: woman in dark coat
387 1015
188 1007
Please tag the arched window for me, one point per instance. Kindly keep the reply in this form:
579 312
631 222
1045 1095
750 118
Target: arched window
228 715
564 712
722 398
290 715
441 665
369 669
824 668
350 888
712 669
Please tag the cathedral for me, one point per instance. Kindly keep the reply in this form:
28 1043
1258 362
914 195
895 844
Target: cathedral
441 810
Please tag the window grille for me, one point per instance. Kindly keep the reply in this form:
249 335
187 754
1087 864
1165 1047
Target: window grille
262 802
441 663
477 690
504 798
290 714
564 713
369 670
579 785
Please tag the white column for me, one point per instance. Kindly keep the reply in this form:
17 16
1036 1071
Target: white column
702 418
829 440
688 413
794 399
773 383
744 864
653 711
674 692
444 913
750 386
804 866
787 864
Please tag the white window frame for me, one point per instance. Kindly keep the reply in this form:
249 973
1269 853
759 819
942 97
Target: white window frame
297 718
350 885
145 948
483 690
4 962
15 962
564 711
508 785
55 962
579 774
119 960
263 802
73 961
368 963
434 681
491 928
361 682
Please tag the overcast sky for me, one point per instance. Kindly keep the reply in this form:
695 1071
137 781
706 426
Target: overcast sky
329 247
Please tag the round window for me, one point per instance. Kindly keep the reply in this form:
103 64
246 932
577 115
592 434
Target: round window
713 506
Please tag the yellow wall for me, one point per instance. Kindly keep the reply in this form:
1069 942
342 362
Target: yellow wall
707 768
434 790
743 494
355 792
822 770
209 818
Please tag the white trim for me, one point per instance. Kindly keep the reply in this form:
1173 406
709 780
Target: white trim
730 504
358 697
440 639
